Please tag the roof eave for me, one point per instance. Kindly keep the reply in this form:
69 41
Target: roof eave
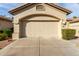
60 8
14 11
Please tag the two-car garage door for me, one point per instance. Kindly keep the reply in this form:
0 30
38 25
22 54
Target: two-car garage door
41 29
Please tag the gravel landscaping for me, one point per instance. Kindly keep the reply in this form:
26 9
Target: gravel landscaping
4 43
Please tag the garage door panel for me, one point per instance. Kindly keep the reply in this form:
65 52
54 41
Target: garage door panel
42 29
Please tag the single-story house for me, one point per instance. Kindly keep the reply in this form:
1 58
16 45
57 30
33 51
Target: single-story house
74 24
5 22
38 20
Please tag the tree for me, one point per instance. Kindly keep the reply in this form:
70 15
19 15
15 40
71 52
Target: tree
75 17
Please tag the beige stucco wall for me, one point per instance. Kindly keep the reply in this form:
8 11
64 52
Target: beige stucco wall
41 18
48 10
5 24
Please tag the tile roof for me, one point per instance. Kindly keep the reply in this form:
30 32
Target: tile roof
5 18
73 20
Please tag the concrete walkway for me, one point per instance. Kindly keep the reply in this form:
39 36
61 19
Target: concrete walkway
40 47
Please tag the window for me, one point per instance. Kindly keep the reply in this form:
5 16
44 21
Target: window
40 8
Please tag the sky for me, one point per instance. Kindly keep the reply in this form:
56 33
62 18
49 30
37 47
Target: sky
74 7
5 7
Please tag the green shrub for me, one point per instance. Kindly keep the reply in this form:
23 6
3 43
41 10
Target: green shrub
1 31
8 32
3 36
68 33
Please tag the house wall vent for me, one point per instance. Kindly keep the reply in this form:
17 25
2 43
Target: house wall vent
40 8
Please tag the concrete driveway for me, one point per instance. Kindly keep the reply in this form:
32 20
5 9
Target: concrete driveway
40 47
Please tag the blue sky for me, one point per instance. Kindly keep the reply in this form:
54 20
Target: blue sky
5 7
74 7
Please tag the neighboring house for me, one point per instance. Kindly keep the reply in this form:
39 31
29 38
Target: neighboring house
38 20
74 24
5 22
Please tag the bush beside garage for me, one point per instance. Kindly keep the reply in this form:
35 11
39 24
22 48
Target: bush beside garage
5 33
68 34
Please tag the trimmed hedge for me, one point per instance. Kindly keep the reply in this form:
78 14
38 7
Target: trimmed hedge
68 34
